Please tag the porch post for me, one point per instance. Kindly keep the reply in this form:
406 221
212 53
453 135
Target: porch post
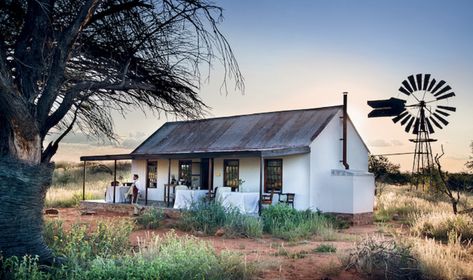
83 181
209 184
146 182
166 194
261 166
114 179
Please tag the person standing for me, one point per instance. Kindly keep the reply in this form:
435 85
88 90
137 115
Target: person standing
134 190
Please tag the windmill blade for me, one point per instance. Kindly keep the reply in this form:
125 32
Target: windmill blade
429 126
404 121
444 121
407 86
426 81
431 85
445 89
419 81
453 109
412 82
451 94
435 122
416 126
400 116
409 125
439 85
405 91
442 112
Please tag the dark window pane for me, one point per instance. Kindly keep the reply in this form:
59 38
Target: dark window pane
273 175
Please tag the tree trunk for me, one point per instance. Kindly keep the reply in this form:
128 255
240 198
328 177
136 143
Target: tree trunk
454 206
22 192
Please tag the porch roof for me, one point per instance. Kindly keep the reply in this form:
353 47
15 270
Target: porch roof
229 154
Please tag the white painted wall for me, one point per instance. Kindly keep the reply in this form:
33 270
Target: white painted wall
338 193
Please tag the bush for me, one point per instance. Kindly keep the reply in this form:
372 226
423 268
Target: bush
170 257
381 258
441 225
325 248
287 223
151 218
81 243
208 217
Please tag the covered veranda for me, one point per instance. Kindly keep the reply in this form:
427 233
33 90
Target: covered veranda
205 159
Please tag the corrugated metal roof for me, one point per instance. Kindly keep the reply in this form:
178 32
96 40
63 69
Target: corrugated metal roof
256 132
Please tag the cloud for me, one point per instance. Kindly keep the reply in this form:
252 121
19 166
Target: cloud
396 142
385 143
379 143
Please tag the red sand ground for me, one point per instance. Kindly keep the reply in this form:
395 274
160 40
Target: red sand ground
268 252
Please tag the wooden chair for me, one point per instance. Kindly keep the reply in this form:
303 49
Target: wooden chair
212 194
267 198
287 198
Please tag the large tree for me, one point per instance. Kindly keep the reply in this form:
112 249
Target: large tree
67 64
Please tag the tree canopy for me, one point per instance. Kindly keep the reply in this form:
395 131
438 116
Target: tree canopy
70 63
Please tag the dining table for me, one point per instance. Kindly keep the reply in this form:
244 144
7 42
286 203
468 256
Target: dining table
184 199
120 194
245 202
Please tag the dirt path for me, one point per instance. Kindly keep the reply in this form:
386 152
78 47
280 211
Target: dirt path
277 259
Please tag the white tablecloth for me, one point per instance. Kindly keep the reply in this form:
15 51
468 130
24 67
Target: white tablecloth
184 198
246 202
120 193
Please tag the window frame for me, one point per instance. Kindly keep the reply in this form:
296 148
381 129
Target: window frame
188 162
266 187
225 164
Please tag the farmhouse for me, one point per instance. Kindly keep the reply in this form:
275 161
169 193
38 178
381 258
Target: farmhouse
314 155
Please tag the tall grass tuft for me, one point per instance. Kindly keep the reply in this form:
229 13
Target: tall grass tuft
440 261
441 225
208 217
287 223
380 258
151 218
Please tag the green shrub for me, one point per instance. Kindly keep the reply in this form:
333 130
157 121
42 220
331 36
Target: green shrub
81 243
24 268
325 248
441 225
208 217
151 218
287 223
380 258
170 257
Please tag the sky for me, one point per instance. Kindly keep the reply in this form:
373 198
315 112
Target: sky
305 53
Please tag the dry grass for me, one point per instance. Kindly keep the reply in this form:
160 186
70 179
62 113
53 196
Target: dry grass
409 204
440 261
440 240
440 225
66 190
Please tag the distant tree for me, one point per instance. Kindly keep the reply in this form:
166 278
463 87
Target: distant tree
469 164
383 171
68 64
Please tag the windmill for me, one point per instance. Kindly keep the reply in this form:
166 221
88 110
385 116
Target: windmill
425 106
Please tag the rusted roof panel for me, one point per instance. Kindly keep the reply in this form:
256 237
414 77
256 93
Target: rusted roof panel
255 132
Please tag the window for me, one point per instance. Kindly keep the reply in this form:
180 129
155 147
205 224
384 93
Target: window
185 171
152 174
231 173
273 175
